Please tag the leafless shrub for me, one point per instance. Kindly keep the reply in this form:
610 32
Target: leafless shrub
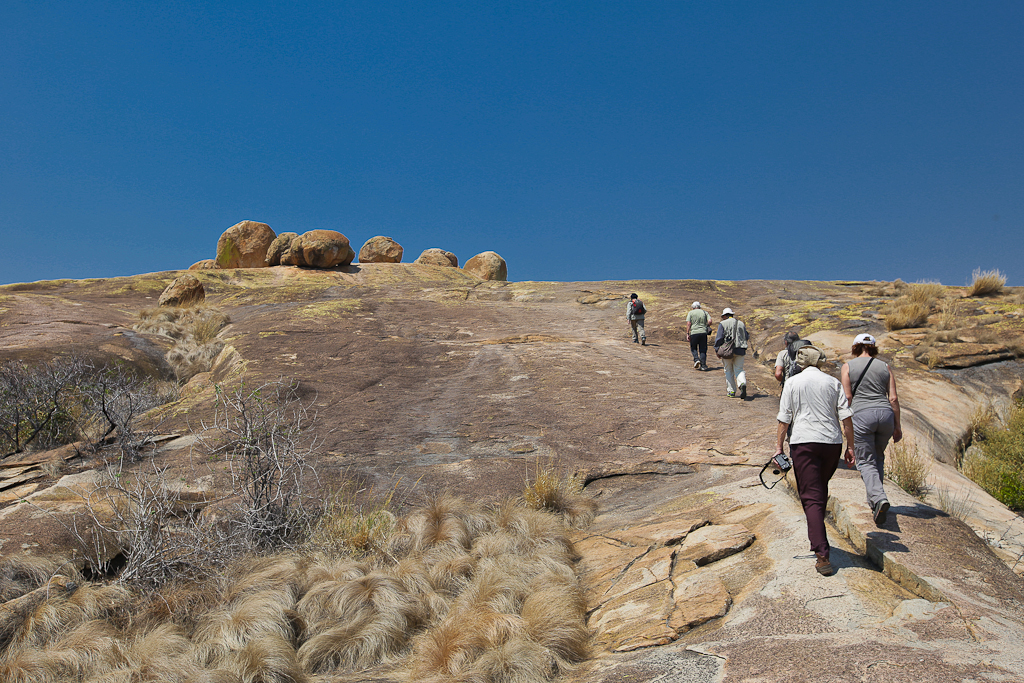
986 282
40 405
265 435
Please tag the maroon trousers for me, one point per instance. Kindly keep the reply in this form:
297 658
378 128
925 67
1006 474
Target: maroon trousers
814 464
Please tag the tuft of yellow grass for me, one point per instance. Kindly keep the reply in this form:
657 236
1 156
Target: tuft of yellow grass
560 492
985 282
906 468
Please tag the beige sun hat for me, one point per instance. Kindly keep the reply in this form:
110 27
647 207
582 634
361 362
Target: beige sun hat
810 355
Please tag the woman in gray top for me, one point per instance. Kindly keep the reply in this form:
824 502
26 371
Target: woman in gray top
870 387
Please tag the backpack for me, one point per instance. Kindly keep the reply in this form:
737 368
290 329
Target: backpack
638 307
795 369
731 340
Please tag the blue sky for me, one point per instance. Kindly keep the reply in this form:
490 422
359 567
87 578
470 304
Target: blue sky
579 140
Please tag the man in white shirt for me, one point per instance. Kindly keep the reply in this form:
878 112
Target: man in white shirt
815 404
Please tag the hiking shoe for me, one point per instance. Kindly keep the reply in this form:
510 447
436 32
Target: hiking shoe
704 367
881 510
696 365
743 391
823 566
643 342
731 394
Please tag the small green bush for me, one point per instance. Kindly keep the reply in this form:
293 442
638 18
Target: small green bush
999 468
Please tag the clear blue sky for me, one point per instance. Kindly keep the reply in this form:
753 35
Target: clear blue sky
580 140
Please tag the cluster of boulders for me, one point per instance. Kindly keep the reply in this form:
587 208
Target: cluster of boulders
250 244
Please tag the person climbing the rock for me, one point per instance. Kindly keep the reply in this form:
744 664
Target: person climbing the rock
784 359
635 313
870 387
815 404
731 347
698 327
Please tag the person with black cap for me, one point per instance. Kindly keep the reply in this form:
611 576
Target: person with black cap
870 387
635 313
815 404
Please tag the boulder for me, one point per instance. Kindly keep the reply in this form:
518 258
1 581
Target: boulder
186 290
280 248
244 245
438 257
381 250
487 266
205 264
324 249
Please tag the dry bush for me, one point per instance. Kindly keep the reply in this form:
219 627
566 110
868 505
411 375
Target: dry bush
984 283
562 493
959 504
906 468
925 293
902 314
266 434
949 313
347 527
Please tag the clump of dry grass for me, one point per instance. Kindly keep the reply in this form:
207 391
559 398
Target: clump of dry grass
925 293
560 492
195 332
986 282
906 468
347 527
902 314
459 591
958 504
949 313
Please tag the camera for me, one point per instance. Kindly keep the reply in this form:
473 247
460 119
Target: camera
781 463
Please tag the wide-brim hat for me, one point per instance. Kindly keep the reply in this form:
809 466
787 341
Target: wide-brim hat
809 355
726 311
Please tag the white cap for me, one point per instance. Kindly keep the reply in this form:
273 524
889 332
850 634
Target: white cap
696 304
864 339
726 311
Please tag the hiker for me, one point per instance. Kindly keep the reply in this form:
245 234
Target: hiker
698 327
815 404
870 387
784 365
731 347
635 312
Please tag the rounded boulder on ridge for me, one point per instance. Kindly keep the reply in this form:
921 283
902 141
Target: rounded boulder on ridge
324 249
205 264
280 251
186 290
487 266
381 250
438 257
244 245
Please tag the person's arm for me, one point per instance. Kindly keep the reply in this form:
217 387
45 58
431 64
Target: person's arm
851 460
894 401
778 373
845 379
780 436
689 324
719 336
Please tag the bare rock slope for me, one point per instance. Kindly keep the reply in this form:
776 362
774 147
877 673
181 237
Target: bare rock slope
429 376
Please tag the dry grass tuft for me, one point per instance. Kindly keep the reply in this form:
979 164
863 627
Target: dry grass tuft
561 493
194 330
925 293
986 282
20 574
902 314
959 504
906 468
347 528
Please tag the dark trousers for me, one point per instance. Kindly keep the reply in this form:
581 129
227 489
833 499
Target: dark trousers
699 348
814 464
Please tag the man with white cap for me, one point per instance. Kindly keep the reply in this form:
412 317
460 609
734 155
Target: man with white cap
731 347
870 387
698 327
815 404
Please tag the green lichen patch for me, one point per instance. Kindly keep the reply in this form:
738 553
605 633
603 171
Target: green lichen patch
334 308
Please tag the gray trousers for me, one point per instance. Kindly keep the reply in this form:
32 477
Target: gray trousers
872 429
637 326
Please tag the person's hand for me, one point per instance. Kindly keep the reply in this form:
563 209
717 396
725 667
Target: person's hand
687 337
851 459
897 435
